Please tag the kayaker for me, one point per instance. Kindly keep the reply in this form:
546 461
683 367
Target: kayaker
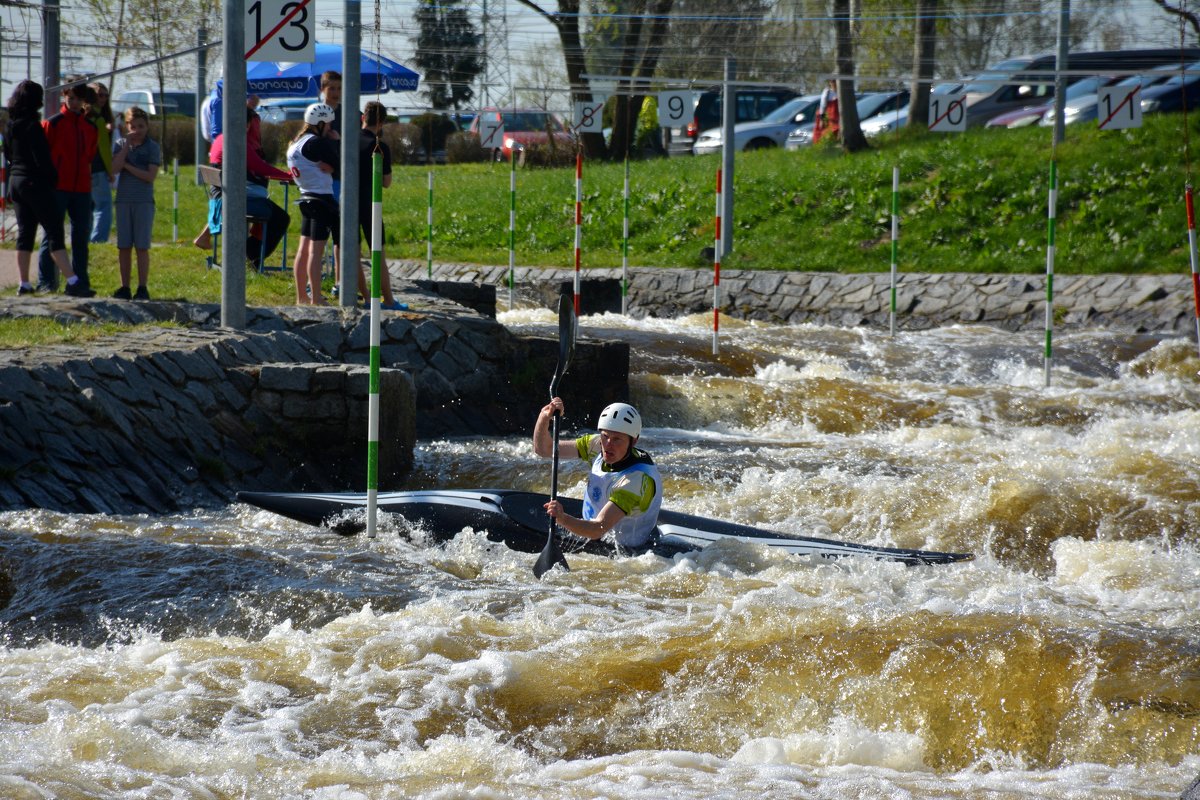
624 490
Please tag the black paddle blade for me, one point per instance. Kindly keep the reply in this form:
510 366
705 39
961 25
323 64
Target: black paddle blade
551 554
566 339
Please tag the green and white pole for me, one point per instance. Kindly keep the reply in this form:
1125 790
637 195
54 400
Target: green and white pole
1052 213
376 313
895 240
1191 221
175 203
625 247
512 230
429 230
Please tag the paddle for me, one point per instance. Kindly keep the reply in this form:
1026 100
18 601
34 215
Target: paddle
552 553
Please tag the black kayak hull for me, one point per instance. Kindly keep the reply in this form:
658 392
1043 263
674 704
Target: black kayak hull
518 520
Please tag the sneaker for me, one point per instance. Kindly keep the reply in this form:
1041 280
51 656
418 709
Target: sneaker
79 289
394 306
25 290
122 294
141 294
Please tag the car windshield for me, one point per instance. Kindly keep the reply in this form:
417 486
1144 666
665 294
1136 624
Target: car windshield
990 81
1084 87
1192 73
528 121
788 110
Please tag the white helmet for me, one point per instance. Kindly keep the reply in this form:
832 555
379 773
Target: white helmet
622 418
318 112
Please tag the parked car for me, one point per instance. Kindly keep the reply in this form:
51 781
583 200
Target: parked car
870 105
1086 107
1174 92
523 128
770 131
753 103
1032 115
1029 80
155 103
284 109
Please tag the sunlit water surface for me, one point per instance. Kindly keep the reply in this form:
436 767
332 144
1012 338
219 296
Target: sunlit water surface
230 653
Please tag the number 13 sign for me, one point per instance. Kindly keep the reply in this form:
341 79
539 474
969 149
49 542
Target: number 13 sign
279 30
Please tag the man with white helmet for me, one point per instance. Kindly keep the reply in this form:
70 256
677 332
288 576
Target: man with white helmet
624 491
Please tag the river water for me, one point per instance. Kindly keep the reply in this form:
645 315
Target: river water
229 653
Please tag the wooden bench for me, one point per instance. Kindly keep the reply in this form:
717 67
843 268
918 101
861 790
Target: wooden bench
211 176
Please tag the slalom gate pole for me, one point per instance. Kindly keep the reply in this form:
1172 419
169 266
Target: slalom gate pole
175 203
512 230
376 312
625 247
895 240
578 224
429 230
716 345
1052 206
1191 220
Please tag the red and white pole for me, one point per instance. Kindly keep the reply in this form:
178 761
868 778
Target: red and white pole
1191 222
717 270
578 223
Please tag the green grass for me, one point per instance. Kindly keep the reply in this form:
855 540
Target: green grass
17 333
972 202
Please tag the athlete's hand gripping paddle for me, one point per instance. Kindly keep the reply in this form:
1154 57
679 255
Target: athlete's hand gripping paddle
552 553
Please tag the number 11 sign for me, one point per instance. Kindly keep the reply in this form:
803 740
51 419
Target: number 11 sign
1119 107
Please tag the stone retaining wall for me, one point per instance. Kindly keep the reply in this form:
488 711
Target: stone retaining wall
1138 303
168 418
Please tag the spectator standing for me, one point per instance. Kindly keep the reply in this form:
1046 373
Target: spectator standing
828 122
312 158
100 114
373 118
72 142
136 159
31 181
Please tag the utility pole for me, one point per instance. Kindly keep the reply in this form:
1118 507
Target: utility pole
51 36
351 122
233 169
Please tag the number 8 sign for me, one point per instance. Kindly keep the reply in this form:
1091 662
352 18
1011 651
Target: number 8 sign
674 109
279 30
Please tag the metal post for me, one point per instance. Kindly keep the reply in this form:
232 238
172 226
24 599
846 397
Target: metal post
728 120
201 92
1060 80
51 33
233 169
351 93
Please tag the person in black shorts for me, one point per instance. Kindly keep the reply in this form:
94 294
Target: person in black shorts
312 159
31 182
373 118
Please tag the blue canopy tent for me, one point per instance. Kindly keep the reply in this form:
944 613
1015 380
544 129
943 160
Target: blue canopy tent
303 79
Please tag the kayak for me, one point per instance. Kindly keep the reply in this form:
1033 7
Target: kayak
519 521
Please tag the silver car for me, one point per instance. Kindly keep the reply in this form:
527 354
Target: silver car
871 106
770 131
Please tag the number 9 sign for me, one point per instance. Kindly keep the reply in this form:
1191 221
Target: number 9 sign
674 109
280 30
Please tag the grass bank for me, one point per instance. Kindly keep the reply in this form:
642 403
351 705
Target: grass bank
972 202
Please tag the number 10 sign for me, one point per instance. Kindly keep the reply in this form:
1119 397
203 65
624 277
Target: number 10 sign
279 30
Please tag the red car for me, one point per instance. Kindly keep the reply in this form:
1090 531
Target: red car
523 127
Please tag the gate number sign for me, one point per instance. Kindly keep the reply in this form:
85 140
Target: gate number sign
589 116
280 30
1119 107
674 109
491 130
947 113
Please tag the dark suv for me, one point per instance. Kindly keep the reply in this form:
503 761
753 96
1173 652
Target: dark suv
753 103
